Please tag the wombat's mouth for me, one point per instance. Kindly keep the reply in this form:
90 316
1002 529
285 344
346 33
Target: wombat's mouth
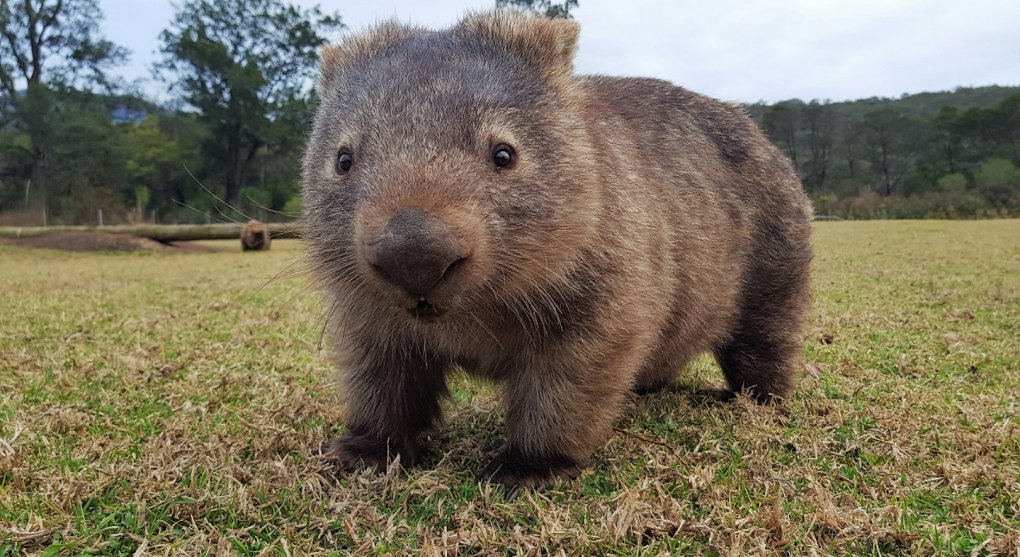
425 311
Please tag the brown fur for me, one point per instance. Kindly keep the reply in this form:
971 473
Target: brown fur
640 225
255 236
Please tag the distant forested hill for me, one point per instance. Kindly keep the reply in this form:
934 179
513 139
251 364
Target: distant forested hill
929 155
949 154
917 104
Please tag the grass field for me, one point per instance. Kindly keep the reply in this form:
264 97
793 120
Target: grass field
168 403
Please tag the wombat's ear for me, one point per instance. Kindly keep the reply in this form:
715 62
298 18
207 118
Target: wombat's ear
334 59
548 43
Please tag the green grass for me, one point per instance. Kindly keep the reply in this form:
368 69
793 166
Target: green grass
175 403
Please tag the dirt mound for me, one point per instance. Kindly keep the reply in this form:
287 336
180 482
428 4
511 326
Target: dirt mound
99 241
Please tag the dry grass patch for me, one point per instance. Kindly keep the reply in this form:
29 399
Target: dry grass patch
162 403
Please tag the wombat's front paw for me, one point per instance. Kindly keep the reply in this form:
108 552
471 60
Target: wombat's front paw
354 451
717 396
513 469
713 396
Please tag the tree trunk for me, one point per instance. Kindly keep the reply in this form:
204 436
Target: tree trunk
233 185
239 158
885 170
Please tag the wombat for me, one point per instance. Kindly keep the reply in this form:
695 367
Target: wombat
471 203
255 236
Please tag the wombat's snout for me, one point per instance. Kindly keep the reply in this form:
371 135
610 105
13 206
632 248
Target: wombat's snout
416 251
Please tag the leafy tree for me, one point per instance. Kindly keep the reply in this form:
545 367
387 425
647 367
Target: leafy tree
999 182
548 8
820 123
87 151
890 136
851 132
953 183
781 123
47 47
59 37
241 64
161 150
947 138
976 126
1008 120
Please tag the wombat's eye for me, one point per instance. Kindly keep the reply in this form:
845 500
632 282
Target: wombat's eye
344 161
503 156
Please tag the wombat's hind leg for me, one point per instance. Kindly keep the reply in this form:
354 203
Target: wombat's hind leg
763 354
762 367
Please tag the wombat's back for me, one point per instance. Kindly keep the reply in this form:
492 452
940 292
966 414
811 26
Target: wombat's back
702 165
677 132
718 211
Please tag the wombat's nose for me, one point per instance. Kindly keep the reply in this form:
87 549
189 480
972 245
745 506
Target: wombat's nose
415 251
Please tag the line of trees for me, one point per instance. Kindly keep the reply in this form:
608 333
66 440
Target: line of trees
73 139
905 158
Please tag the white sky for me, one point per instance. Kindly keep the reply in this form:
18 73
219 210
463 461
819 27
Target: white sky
736 50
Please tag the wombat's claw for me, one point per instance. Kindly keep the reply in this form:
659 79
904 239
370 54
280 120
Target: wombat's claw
352 452
516 471
713 396
651 389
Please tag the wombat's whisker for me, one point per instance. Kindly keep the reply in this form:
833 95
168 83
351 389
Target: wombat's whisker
296 268
274 211
221 221
217 198
325 323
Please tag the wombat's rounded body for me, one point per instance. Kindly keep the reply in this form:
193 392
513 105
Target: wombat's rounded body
255 236
470 202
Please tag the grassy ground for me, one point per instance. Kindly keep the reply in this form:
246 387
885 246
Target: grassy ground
169 404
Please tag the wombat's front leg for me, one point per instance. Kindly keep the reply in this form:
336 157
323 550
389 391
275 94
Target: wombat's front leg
558 415
390 398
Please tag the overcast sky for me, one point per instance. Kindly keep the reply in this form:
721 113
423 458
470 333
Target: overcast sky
737 50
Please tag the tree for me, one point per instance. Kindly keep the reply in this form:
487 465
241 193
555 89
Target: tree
85 159
947 138
1007 118
161 149
850 132
240 63
820 123
548 8
953 183
781 123
892 145
999 182
60 37
47 49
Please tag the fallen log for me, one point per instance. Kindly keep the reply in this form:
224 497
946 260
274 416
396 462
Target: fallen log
177 232
158 232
